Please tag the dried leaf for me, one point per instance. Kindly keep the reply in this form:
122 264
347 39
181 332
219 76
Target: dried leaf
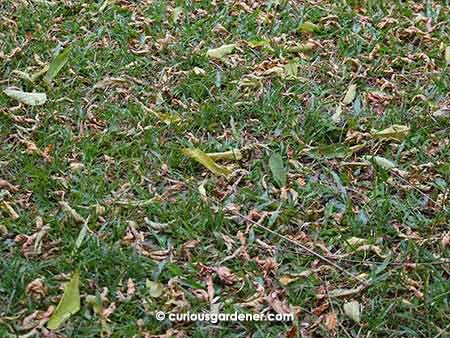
353 311
286 280
72 213
350 95
69 304
396 131
346 292
330 321
31 99
207 161
356 242
57 64
278 171
220 52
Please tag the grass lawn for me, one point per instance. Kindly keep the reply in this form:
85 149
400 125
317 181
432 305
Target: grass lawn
333 204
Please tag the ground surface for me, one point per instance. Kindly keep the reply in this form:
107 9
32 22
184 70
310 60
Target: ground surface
138 87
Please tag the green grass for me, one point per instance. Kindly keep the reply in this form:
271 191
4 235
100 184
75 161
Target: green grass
135 170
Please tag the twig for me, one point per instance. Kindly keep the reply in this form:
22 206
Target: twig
312 252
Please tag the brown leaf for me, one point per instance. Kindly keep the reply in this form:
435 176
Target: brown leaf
278 305
320 309
225 275
330 321
131 289
8 186
37 288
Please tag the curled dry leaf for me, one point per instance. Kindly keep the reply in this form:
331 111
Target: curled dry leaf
72 213
14 215
37 288
37 319
225 275
200 294
131 288
8 186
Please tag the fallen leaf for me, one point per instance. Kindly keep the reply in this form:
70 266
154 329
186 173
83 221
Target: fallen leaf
155 289
31 99
225 275
286 280
69 303
381 161
37 288
278 171
207 161
356 242
350 95
330 321
308 27
353 311
234 154
346 292
396 131
6 185
82 234
57 64
131 288
72 213
220 52
14 215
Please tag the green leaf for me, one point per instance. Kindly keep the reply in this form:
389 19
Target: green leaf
207 161
382 162
447 55
155 289
291 70
278 171
327 151
220 52
308 27
396 131
58 62
82 234
350 95
31 99
69 303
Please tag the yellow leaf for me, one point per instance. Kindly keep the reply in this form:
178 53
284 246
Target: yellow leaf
396 131
69 303
220 52
207 161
